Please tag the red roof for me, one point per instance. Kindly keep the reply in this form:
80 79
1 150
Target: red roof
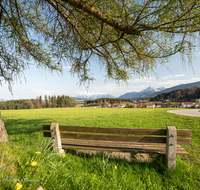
174 104
186 103
149 104
115 104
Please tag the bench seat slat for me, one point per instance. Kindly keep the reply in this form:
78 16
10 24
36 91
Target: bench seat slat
133 131
116 144
119 147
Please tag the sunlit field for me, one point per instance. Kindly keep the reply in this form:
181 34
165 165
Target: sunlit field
28 159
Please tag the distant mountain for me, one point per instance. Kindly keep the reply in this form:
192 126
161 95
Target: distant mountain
78 99
94 96
183 94
149 91
181 86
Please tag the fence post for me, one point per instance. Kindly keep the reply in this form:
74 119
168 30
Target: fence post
55 136
171 140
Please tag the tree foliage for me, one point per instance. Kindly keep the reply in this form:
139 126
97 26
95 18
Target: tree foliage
103 101
127 37
52 102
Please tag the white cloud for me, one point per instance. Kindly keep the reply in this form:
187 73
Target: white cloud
180 75
172 76
143 79
42 92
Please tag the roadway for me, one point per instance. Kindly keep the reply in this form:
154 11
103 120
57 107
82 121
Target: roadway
188 112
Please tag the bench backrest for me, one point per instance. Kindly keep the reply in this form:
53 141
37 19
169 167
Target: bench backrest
118 134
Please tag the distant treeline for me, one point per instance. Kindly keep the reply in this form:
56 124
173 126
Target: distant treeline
102 101
48 102
187 94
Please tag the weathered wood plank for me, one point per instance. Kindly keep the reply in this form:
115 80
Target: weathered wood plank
160 147
110 149
114 130
118 144
114 138
47 134
186 141
46 127
184 132
133 131
112 143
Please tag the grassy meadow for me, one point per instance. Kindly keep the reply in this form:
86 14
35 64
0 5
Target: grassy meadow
28 160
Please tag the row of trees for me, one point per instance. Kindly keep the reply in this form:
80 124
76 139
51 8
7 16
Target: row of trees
103 101
186 94
48 102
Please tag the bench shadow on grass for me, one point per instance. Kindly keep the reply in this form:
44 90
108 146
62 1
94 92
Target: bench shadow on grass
24 126
157 162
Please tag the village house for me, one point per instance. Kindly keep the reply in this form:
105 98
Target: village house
142 105
114 105
150 105
187 104
121 105
147 105
107 105
134 105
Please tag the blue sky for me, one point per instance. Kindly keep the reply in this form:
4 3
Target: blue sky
40 82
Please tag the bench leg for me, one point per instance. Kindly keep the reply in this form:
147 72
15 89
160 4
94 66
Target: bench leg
171 140
56 140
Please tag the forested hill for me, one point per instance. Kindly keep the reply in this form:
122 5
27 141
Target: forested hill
187 94
48 102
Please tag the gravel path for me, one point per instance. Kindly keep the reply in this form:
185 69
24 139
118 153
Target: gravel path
188 112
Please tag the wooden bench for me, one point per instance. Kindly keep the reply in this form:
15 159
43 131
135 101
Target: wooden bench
158 141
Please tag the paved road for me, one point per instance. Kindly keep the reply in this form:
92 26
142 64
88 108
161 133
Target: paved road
188 112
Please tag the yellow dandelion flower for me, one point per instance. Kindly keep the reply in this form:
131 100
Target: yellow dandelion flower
115 167
149 183
33 163
63 155
38 152
18 186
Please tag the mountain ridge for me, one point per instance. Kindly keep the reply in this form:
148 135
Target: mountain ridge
147 92
143 93
95 96
177 87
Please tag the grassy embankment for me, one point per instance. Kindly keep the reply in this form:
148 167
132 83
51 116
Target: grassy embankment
92 172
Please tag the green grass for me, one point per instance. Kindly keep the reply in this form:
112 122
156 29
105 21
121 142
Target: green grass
78 171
